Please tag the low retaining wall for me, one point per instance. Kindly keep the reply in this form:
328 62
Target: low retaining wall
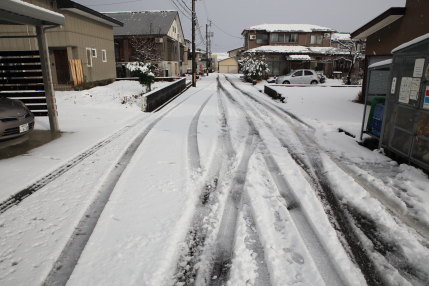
273 93
158 97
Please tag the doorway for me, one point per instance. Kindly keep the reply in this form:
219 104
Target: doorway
62 66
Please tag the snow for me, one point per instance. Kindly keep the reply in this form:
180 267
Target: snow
85 117
289 28
340 37
299 58
220 56
410 43
282 235
297 50
380 63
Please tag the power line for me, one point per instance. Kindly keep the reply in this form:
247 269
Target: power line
115 3
225 32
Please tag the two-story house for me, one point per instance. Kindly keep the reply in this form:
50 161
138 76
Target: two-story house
156 35
288 47
81 51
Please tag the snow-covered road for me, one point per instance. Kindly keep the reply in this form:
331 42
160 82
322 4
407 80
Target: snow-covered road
221 187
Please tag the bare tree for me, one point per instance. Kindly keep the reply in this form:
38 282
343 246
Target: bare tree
355 53
146 50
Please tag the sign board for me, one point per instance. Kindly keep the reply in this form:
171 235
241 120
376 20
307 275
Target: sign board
404 90
418 67
414 88
426 99
393 88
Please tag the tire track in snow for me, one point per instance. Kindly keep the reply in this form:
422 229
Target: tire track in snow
66 262
31 189
193 149
197 250
317 177
357 228
328 271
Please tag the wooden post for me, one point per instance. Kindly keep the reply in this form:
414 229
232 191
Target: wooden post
47 79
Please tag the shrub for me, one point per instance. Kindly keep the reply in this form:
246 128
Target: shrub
145 73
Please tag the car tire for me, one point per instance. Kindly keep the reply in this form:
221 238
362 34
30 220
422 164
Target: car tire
286 82
313 82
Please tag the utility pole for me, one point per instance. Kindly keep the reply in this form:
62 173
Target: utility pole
207 49
194 65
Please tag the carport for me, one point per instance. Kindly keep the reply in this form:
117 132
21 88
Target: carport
26 74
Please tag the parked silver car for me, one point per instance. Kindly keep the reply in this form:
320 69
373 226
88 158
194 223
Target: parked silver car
304 76
15 119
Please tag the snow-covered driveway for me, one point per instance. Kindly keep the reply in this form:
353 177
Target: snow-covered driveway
221 186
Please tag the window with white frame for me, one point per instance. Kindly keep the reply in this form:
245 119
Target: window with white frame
104 56
94 53
316 39
89 57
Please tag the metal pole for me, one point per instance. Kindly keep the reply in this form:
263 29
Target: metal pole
207 48
194 66
47 79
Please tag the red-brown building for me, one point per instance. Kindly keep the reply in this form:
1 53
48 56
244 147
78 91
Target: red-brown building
392 28
294 46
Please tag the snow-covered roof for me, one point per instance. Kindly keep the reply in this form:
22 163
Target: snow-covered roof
143 22
289 28
381 63
410 43
299 58
340 37
221 56
298 50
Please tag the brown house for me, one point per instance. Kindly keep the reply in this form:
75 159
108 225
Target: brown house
288 47
392 28
158 34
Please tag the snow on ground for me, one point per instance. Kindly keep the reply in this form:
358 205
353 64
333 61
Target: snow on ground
85 117
140 235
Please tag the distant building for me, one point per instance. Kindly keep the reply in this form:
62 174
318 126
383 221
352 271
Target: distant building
159 29
288 47
84 42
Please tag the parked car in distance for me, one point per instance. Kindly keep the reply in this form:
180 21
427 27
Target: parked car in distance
15 119
304 76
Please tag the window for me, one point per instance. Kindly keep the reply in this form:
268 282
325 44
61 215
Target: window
262 38
308 72
277 38
316 39
103 56
284 38
88 57
298 73
94 53
292 38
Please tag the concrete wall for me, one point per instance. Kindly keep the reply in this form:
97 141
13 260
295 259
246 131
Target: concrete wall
157 98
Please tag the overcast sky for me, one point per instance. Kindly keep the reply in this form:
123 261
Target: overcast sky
230 17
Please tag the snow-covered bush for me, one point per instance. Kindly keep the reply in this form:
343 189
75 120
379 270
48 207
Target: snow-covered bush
254 67
145 73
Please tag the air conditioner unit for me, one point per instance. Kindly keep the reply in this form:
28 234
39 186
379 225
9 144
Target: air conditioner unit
252 37
159 40
326 35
